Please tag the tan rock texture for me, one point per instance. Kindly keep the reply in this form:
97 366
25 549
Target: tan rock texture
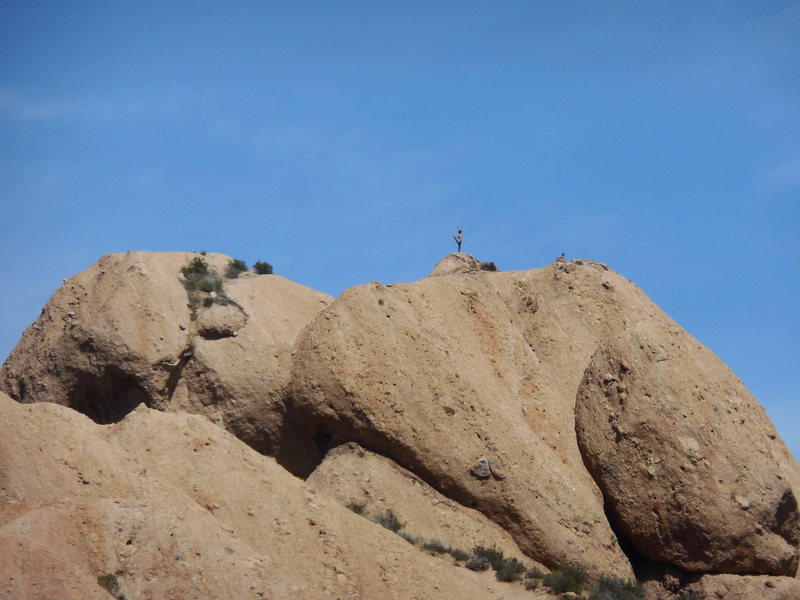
176 507
458 262
123 332
554 411
686 457
352 474
469 380
750 587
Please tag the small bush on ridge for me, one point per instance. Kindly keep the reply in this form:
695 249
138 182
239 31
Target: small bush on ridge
235 266
357 507
611 588
493 555
438 547
488 266
532 584
198 276
109 582
510 570
389 520
413 540
262 268
568 578
534 573
435 546
478 563
458 554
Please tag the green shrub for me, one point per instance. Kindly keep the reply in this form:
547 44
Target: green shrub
389 520
357 507
436 547
493 555
109 582
510 570
478 563
413 540
198 276
568 578
611 588
458 554
235 266
532 584
689 596
534 573
488 266
262 268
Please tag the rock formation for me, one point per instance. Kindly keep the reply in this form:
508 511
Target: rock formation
554 413
173 506
125 331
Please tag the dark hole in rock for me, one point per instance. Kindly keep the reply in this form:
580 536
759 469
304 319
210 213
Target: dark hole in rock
107 398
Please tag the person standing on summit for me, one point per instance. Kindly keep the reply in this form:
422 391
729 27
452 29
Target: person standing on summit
458 237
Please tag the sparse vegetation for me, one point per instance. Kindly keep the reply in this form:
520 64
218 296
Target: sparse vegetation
357 507
478 563
534 573
389 520
459 555
511 570
506 569
198 276
488 266
689 596
532 584
110 583
568 578
438 547
235 266
611 588
435 546
262 268
493 555
411 539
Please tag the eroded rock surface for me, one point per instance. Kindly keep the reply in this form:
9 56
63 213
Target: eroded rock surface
749 587
687 459
124 332
352 474
557 405
454 372
175 507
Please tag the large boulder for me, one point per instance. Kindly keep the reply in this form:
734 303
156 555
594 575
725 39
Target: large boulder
469 380
172 506
688 461
366 481
126 331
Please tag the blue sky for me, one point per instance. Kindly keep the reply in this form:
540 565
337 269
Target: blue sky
344 142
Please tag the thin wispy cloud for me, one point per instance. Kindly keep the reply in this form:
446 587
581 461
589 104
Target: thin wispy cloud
23 105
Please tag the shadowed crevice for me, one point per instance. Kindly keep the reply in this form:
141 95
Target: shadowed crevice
108 397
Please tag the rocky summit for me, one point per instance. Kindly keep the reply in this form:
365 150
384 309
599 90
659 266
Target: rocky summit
175 428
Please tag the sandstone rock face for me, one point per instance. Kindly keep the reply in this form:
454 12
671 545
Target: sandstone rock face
556 412
443 373
732 587
124 332
687 459
175 507
458 262
350 473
